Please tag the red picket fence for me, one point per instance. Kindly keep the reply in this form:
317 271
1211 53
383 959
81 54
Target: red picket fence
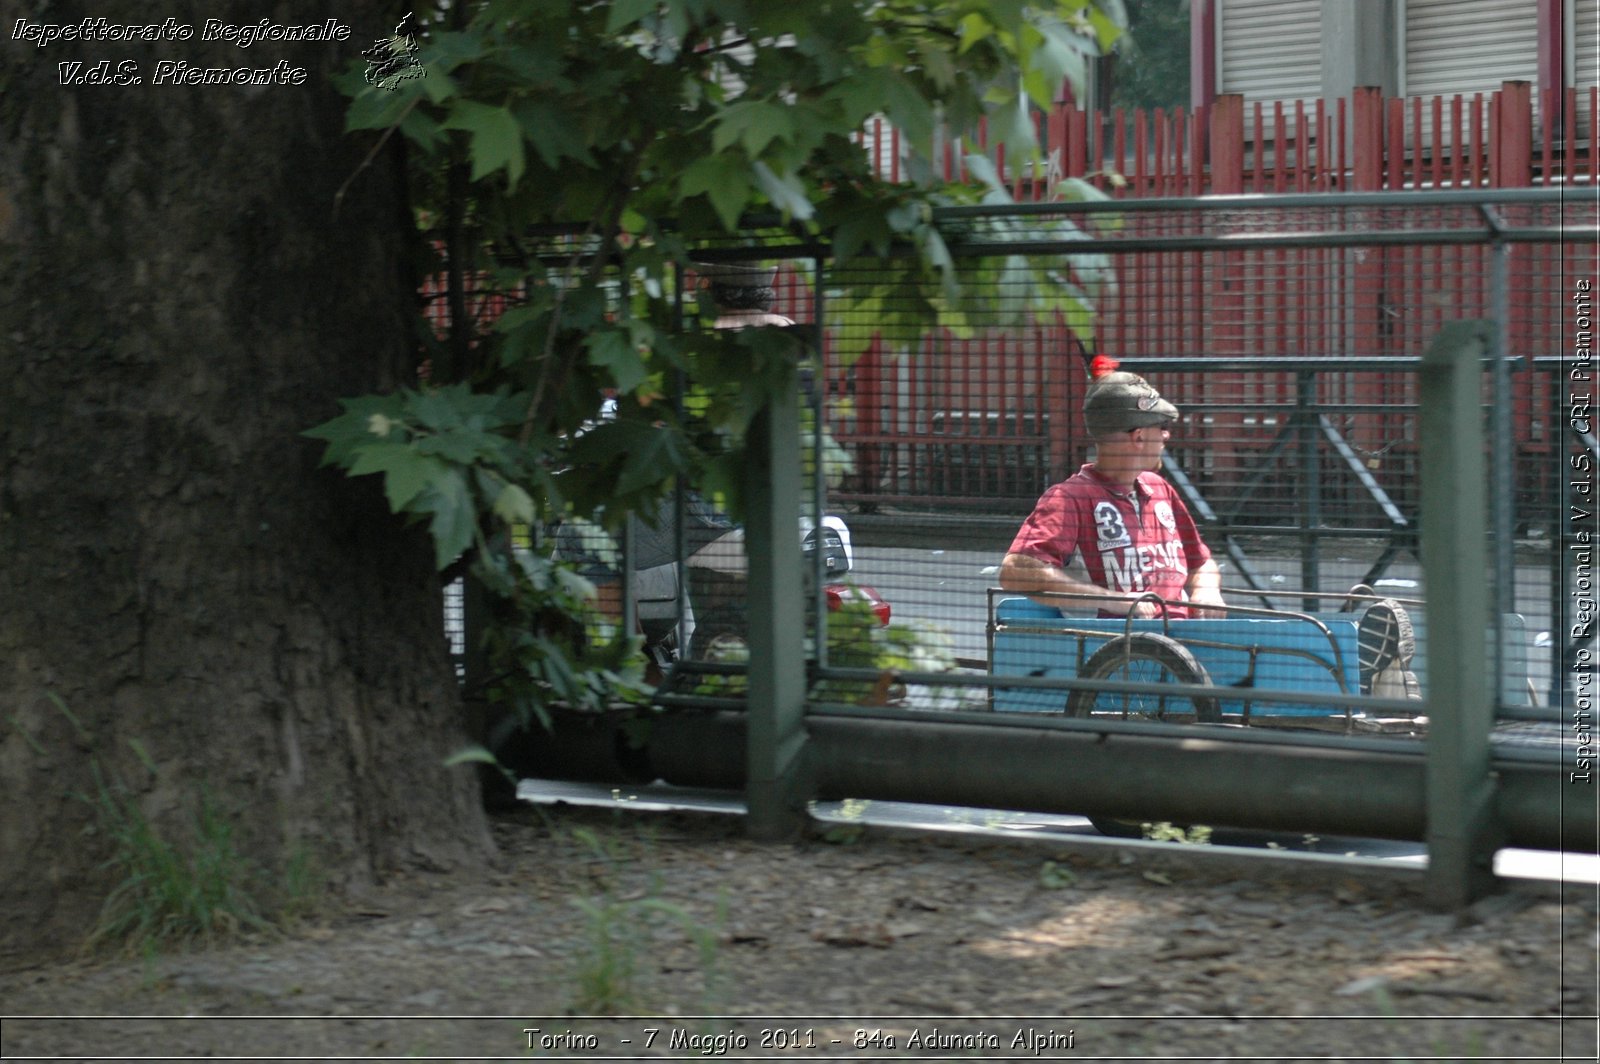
1504 139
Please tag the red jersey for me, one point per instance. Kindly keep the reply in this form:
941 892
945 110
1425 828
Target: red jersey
1141 540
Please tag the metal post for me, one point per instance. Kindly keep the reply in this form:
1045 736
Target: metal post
817 403
1502 475
1460 789
1306 433
776 700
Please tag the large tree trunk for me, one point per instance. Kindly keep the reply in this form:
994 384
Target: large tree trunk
189 606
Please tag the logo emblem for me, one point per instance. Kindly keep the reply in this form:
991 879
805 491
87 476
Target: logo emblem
392 60
1109 528
1164 515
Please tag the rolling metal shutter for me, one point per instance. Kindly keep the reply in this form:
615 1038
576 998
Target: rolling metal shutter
1270 49
1467 46
1584 44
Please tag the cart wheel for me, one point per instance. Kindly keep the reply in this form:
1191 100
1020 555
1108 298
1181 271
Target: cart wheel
1144 657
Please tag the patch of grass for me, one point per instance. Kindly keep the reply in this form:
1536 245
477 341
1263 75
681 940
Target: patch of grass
1442 1051
305 885
171 893
620 931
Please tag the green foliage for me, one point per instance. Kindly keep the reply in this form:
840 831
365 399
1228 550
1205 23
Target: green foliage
843 834
1188 834
1056 876
904 298
305 885
444 457
172 893
1152 60
858 640
574 157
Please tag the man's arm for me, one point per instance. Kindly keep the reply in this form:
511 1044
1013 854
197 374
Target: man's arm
1028 575
1204 588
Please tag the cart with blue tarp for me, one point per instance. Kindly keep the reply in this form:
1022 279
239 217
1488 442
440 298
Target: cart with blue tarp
1247 661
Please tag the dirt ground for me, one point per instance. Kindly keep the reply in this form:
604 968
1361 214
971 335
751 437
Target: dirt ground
639 936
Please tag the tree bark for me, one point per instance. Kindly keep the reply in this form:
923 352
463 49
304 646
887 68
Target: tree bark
189 606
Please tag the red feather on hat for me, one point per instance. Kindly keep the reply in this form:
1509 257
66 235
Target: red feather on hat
1102 365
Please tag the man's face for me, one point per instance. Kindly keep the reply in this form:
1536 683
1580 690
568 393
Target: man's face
1149 441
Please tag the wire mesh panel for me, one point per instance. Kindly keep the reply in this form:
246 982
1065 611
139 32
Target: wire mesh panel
1289 334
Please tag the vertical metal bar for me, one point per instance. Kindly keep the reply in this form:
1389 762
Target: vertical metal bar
1501 480
1460 789
681 489
818 403
1306 426
628 542
680 551
630 605
776 700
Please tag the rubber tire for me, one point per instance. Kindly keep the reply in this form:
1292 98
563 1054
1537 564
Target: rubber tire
1172 660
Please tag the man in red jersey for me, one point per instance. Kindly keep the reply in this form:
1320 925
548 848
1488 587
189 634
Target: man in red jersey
1115 530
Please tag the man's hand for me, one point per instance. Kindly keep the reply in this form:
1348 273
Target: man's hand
1211 597
1142 607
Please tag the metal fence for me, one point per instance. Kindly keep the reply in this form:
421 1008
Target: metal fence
1301 464
1308 469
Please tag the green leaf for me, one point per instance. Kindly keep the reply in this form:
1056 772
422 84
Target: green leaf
1077 190
496 138
908 109
454 521
472 754
974 30
755 124
514 506
438 86
406 473
349 433
655 458
625 13
724 180
422 130
447 50
614 350
375 108
859 230
982 169
461 447
786 192
552 132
